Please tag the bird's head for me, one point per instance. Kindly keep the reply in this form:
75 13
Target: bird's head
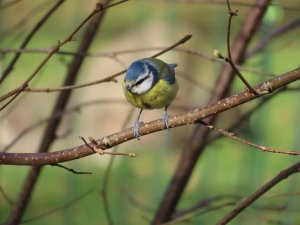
141 76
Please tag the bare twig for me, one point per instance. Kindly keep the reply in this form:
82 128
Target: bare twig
18 28
203 204
229 58
239 139
113 54
71 170
49 134
187 217
237 3
262 190
95 148
29 37
109 78
273 34
14 97
65 206
55 48
104 190
4 6
5 196
246 115
75 108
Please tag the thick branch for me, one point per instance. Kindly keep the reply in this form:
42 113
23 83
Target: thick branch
190 117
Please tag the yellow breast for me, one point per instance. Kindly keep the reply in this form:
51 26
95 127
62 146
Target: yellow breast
159 96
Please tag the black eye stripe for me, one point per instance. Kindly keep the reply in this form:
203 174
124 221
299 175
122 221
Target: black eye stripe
142 80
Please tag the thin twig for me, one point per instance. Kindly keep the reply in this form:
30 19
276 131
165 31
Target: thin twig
229 58
6 5
29 37
109 78
113 54
104 190
70 169
72 109
98 150
65 206
48 135
247 114
240 3
22 88
55 48
262 190
5 196
17 29
241 140
203 203
187 217
273 34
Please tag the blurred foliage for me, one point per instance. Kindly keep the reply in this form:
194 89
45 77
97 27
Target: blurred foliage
137 184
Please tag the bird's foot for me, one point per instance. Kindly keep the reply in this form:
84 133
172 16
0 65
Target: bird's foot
136 129
166 121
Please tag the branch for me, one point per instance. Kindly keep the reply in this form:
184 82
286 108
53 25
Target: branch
5 196
109 78
190 117
239 3
65 206
247 114
266 187
107 175
196 144
229 58
54 49
71 170
4 6
29 37
241 140
49 136
113 54
75 108
273 34
203 203
103 80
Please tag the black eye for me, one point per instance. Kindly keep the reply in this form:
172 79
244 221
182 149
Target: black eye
141 80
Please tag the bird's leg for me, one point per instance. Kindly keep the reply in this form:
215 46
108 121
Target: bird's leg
137 125
166 118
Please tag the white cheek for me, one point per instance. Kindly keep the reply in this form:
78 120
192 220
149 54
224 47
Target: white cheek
143 87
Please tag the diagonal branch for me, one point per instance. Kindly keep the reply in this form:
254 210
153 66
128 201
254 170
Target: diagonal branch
191 117
244 141
54 49
49 134
196 145
109 78
273 34
266 187
29 37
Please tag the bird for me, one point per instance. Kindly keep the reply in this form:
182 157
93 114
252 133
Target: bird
150 83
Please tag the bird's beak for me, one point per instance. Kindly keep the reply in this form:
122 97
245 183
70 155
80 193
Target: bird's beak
128 85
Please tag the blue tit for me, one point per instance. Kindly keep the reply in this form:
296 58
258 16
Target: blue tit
150 84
